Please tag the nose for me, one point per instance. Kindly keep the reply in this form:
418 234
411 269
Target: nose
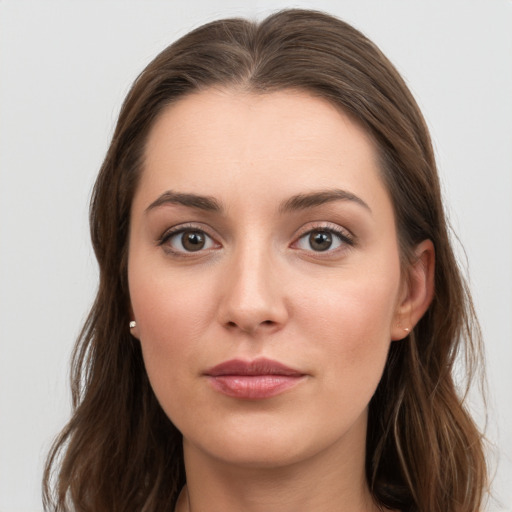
253 294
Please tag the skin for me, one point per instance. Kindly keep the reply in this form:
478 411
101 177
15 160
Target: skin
260 289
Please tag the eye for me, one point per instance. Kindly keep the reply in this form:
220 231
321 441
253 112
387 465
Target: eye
323 239
187 240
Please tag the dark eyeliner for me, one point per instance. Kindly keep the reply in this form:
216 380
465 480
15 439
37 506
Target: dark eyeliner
349 240
344 234
175 231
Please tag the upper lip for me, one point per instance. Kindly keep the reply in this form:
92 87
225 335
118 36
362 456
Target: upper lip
259 366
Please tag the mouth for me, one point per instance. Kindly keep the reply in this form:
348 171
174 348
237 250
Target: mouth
253 380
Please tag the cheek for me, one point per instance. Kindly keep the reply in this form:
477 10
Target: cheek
168 305
172 314
352 328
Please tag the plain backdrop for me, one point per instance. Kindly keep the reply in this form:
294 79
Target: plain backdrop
65 68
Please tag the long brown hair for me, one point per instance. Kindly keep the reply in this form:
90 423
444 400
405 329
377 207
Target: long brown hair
120 452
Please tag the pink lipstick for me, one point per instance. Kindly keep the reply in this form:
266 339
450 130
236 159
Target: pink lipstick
253 380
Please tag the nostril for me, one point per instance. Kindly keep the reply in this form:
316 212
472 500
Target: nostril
249 328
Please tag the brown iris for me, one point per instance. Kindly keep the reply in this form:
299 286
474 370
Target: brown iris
320 240
193 240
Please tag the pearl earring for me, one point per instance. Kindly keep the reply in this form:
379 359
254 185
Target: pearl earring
133 324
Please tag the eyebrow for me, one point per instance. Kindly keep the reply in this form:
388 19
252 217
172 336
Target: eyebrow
294 203
206 203
312 199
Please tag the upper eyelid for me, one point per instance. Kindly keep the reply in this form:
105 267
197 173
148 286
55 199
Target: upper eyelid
187 226
164 241
347 239
326 225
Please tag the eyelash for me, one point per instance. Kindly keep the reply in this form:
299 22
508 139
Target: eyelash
183 228
345 238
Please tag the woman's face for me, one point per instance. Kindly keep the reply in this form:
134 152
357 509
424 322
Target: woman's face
264 275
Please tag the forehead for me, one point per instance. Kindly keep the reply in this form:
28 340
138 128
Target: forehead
216 142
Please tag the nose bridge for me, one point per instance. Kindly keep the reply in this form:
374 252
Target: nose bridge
253 295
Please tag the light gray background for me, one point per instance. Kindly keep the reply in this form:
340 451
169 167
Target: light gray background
64 70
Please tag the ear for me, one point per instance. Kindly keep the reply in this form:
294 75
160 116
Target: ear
417 293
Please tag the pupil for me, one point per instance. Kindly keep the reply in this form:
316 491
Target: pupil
193 240
320 240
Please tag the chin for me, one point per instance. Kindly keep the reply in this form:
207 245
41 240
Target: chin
259 454
265 443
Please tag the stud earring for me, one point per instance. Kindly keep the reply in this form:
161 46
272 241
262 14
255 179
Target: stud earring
133 324
406 329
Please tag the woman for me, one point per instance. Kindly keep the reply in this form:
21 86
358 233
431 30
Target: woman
279 307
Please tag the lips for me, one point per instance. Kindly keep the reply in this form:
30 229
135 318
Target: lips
253 380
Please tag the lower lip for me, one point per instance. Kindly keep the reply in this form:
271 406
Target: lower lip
254 387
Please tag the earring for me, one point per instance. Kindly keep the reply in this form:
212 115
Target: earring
406 329
133 324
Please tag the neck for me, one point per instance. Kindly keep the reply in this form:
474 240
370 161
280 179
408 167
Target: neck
331 481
